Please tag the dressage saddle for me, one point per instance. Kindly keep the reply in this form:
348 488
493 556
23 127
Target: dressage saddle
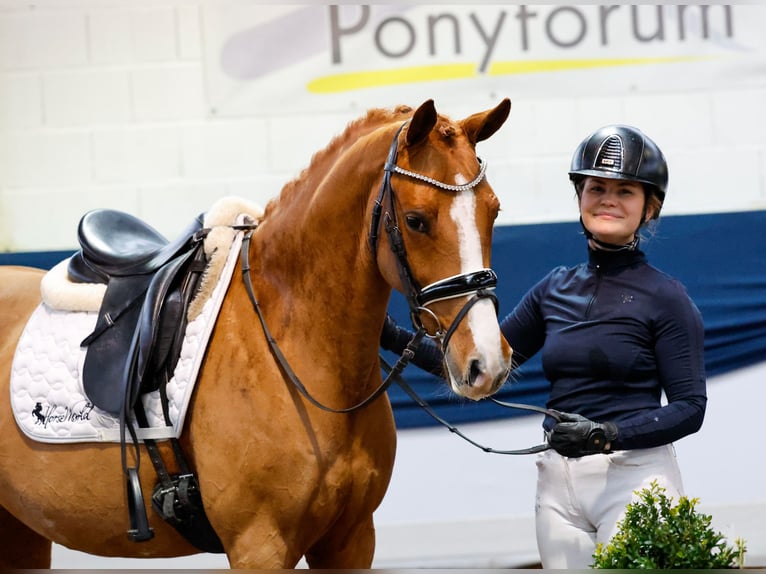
135 346
141 322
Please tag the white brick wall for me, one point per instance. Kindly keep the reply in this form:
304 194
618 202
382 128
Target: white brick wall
35 158
20 100
84 98
104 105
136 154
40 39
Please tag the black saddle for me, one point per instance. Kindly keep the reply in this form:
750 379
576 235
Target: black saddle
135 346
150 282
117 244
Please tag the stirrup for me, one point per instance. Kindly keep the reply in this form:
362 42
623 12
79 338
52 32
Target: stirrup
140 531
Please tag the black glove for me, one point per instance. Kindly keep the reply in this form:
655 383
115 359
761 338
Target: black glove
577 436
393 338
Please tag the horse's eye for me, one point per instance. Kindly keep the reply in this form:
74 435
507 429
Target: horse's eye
416 223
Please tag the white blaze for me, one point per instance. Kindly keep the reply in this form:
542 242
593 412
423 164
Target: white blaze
482 319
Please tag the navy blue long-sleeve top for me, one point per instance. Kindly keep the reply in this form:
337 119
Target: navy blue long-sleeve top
614 333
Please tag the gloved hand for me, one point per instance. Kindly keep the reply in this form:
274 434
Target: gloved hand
396 339
576 435
390 337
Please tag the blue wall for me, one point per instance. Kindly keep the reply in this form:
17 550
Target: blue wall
721 258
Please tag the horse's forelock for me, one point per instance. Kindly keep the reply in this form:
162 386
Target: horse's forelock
447 130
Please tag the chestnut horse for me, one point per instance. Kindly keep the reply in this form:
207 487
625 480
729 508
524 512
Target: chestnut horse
280 478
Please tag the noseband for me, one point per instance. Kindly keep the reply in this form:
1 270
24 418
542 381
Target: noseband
480 284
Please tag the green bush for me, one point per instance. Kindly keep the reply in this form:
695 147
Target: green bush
655 535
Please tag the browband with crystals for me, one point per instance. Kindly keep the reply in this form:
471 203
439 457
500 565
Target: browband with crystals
464 187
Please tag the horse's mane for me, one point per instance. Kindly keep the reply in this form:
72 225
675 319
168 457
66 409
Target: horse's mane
374 118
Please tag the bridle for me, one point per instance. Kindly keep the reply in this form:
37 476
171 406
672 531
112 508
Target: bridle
480 284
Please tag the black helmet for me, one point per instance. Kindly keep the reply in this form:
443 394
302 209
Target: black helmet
621 152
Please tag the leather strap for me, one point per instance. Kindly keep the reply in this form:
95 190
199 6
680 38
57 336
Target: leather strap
453 429
406 357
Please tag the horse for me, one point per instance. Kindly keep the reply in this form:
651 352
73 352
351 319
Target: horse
280 479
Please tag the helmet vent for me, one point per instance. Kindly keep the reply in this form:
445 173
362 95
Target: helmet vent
610 154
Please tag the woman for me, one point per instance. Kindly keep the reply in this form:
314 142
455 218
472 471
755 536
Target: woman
615 334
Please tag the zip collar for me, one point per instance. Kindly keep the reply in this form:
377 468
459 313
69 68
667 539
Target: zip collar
614 260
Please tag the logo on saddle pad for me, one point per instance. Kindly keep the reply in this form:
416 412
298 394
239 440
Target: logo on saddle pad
51 414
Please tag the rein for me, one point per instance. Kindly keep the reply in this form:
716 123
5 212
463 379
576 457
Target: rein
406 357
453 429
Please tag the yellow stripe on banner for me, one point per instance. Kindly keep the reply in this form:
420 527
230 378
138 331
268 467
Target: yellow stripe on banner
377 78
351 81
530 67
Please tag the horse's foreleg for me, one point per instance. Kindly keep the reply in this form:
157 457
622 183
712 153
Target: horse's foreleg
21 547
353 548
262 547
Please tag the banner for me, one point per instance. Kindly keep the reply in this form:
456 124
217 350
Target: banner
263 59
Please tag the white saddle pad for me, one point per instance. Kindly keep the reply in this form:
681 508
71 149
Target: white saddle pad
47 395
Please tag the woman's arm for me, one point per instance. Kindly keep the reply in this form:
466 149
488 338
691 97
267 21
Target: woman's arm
679 353
524 327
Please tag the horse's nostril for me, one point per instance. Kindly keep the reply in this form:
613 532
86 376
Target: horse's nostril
474 372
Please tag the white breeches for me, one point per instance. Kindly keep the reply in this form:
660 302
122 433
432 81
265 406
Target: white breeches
580 500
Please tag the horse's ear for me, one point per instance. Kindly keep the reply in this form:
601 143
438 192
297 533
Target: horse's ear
479 127
421 124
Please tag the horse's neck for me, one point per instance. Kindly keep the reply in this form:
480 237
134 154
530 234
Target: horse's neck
315 237
327 271
316 274
312 257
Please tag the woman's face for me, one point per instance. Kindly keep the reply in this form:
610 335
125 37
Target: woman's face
611 209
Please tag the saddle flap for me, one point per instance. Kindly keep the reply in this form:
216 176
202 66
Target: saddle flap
161 322
108 345
133 328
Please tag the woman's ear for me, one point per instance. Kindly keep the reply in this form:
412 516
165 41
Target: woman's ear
651 212
652 206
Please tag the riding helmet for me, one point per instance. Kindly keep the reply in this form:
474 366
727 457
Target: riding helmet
621 152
